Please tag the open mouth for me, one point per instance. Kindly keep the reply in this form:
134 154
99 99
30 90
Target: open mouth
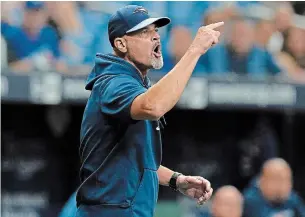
157 51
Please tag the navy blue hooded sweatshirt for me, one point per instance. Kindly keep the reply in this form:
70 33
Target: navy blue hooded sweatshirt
119 155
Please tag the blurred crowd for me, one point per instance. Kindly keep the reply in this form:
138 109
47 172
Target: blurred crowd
269 194
248 173
259 39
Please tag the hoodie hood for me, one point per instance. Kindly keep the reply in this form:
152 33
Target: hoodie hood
109 64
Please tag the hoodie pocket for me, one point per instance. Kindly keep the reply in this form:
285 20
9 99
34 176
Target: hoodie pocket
103 210
146 196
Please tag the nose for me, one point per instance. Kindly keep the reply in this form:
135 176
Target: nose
156 36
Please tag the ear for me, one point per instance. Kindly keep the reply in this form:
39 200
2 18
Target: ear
120 44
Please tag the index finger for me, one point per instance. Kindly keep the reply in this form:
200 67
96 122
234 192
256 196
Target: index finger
206 184
214 25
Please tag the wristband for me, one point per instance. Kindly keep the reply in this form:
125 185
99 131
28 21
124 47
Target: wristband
173 181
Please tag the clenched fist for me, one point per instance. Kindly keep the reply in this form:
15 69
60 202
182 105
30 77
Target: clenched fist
195 187
205 38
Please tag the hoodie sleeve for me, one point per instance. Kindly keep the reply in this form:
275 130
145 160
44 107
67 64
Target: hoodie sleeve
116 94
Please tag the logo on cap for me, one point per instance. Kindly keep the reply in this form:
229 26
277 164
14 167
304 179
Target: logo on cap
141 10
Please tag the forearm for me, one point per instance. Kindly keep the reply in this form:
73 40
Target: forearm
166 92
23 65
70 23
164 175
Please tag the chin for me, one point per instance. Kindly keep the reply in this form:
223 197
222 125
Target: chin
157 63
158 67
278 200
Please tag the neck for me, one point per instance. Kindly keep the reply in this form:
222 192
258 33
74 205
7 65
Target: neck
142 70
238 53
32 32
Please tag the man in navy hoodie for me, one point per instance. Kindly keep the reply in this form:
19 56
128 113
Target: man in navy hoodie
120 133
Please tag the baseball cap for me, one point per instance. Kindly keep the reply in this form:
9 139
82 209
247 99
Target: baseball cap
130 19
34 4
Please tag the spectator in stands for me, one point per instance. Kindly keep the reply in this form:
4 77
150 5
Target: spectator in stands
293 59
272 195
227 202
266 34
221 12
79 29
190 16
179 41
296 45
283 20
240 54
283 16
34 44
264 29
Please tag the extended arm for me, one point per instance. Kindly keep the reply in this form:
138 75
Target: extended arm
163 96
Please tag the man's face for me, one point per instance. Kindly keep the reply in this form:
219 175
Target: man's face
227 204
276 186
228 209
144 48
242 37
34 19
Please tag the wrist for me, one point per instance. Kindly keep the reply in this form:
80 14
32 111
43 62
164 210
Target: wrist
174 181
179 180
193 52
